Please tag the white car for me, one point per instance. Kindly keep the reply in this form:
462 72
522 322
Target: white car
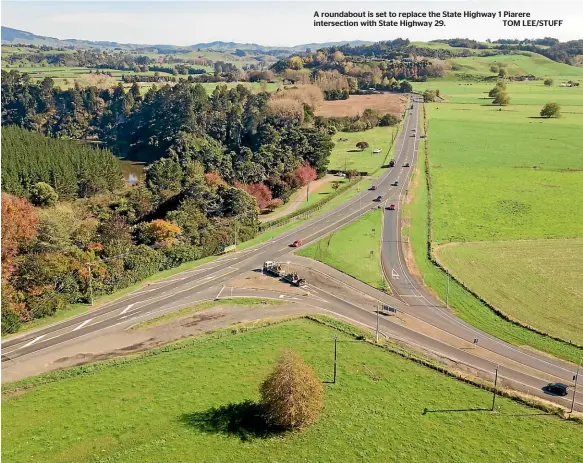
377 151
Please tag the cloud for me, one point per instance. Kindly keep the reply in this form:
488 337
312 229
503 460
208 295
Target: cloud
101 18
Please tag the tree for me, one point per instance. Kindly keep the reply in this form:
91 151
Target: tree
405 87
494 69
501 98
335 185
305 173
274 204
159 232
503 73
19 228
551 110
42 194
362 145
292 397
548 82
259 191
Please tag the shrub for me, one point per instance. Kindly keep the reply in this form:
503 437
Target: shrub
42 194
548 82
362 145
551 110
292 396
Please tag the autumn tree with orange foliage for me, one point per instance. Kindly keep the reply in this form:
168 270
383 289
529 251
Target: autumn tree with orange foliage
19 222
305 173
159 232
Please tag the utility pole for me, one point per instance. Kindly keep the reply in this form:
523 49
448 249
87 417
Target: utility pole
90 276
494 392
308 193
335 351
377 335
575 387
447 293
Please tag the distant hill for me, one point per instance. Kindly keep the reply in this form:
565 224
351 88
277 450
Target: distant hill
14 36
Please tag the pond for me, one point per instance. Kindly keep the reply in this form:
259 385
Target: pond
133 171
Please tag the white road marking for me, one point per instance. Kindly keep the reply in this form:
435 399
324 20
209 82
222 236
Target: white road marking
30 343
281 296
394 274
82 324
218 295
409 295
126 309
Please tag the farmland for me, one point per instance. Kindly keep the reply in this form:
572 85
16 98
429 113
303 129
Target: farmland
537 282
161 408
356 104
349 250
346 156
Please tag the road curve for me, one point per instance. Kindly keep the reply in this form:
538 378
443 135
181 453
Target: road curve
412 298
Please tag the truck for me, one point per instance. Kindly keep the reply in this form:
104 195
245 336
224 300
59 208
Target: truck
276 269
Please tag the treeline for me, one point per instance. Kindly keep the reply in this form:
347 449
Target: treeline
71 168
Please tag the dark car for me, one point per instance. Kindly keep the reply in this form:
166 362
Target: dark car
396 183
556 389
407 165
391 207
378 199
373 188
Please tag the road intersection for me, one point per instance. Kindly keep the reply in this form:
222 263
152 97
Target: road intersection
425 324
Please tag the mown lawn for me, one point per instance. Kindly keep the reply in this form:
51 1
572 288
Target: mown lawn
500 175
177 405
536 282
346 156
349 250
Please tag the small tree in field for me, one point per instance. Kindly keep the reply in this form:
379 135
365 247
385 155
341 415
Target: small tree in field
548 82
551 110
292 397
305 173
362 145
335 185
501 98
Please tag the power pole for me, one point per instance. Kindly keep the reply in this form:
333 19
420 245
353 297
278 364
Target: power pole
494 392
447 293
377 335
575 387
335 351
308 193
90 275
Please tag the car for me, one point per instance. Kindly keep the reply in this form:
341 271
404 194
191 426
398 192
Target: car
377 151
396 183
373 188
407 165
556 389
391 207
296 244
378 199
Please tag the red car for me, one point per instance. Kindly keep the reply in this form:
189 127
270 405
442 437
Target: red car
296 244
391 207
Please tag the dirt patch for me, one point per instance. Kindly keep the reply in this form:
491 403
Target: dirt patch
200 318
257 280
82 358
384 103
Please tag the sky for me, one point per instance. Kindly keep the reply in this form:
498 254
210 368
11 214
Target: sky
276 23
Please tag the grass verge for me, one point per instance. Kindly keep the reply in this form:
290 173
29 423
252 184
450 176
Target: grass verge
349 250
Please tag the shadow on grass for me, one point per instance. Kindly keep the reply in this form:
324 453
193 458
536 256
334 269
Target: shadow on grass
425 411
244 420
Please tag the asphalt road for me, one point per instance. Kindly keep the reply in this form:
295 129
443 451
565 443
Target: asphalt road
519 368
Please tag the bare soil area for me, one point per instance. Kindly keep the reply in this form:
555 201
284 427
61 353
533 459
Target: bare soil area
384 103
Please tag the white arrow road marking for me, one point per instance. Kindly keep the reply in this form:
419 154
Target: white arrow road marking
30 343
82 324
126 309
394 274
281 296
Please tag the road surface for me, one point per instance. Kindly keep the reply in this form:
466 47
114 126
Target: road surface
431 327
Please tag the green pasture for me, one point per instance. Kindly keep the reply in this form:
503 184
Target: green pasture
537 282
192 401
346 155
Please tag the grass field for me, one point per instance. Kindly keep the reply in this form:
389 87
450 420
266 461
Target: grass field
485 187
465 305
535 282
346 156
181 405
349 250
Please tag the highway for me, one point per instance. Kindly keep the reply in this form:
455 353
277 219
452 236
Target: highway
430 327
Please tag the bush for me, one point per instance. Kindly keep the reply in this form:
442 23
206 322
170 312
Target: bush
362 145
42 194
548 82
292 397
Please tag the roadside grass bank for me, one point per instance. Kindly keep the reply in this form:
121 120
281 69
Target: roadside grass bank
354 249
201 306
182 412
466 306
